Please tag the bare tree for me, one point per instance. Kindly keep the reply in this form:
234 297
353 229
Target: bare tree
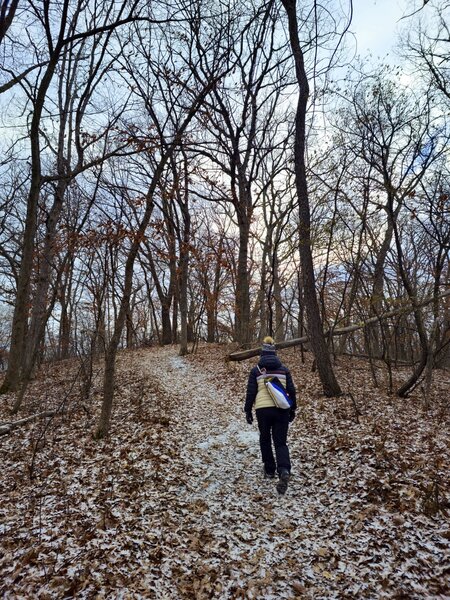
394 138
317 339
430 211
187 96
238 120
65 19
427 46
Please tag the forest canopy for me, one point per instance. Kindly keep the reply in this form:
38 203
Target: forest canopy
221 171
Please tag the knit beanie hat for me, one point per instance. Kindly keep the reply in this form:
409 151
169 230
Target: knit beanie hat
268 347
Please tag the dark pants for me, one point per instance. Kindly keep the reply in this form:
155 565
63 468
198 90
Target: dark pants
273 424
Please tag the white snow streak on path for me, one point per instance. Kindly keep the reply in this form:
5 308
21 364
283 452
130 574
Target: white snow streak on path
218 447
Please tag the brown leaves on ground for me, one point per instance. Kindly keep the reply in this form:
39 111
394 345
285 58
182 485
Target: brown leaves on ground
174 505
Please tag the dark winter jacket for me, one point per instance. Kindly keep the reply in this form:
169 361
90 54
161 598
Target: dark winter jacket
256 391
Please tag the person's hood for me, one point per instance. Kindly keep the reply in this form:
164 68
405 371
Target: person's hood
270 361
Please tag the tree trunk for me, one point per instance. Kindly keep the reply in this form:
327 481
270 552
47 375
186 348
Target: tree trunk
166 324
242 323
6 18
443 346
21 308
175 308
112 347
129 329
212 294
191 332
108 391
39 315
443 355
316 335
278 329
183 301
184 266
211 324
210 307
100 334
261 304
411 383
64 333
376 301
65 319
165 299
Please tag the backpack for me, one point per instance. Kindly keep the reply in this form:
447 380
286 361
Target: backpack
276 391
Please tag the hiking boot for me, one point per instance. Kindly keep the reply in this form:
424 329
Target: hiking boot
282 484
269 474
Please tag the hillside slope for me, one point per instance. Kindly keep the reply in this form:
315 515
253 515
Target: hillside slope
174 504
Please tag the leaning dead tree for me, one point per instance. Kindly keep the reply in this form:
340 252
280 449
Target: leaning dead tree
244 354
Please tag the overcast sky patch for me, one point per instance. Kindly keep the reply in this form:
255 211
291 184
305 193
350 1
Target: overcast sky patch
376 25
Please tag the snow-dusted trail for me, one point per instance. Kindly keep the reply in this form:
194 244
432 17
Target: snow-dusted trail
218 449
221 536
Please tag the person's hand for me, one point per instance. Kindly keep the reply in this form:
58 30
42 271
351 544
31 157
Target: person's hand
249 417
291 416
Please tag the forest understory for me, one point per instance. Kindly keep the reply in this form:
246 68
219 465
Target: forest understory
173 505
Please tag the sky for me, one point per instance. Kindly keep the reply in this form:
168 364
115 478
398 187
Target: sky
376 24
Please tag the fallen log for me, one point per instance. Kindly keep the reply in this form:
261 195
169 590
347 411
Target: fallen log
244 354
6 428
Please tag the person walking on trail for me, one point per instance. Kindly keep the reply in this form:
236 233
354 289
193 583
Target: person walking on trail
273 422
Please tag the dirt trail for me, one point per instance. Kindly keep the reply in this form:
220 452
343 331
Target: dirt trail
218 448
219 523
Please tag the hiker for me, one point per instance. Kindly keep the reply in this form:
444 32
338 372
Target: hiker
273 422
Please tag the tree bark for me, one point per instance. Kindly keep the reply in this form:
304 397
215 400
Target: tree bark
166 324
6 428
65 319
129 328
411 383
443 347
376 300
184 264
40 301
6 16
242 322
279 332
